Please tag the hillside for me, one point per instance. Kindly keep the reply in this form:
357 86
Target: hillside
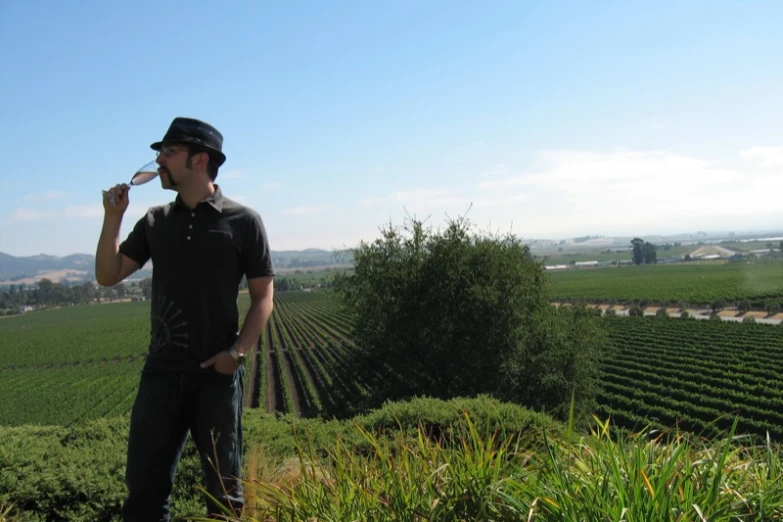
80 267
12 267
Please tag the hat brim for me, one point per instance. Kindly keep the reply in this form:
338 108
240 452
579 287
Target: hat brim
215 154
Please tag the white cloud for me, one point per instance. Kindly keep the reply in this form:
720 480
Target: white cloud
510 199
654 124
440 197
44 196
84 211
232 174
305 210
92 211
767 156
575 191
370 202
432 197
28 214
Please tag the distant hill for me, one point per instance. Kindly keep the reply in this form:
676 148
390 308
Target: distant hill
20 267
80 267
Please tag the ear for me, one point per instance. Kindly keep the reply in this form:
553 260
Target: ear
202 159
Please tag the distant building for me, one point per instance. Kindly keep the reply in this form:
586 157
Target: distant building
586 264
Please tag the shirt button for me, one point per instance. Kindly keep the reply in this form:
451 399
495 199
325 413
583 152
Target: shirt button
188 238
192 214
190 226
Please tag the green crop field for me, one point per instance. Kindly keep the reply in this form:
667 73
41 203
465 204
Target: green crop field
661 370
691 283
70 365
300 361
692 373
73 364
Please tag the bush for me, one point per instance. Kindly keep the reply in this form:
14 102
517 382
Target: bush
454 313
76 473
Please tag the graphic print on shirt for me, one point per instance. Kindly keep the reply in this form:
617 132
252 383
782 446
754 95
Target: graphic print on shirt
169 328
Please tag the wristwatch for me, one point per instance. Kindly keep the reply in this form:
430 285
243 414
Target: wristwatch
238 357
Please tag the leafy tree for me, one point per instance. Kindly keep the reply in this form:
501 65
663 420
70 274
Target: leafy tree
145 285
717 305
743 306
649 252
287 284
450 313
638 250
636 311
643 251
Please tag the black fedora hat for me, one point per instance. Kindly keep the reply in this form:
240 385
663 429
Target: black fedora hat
194 132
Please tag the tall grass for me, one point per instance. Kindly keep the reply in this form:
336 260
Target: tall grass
666 476
5 513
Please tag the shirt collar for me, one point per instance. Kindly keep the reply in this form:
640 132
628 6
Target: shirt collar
215 200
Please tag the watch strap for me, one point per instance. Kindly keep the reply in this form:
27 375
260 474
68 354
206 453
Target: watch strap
236 355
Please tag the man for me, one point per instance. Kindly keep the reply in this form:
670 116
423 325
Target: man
200 245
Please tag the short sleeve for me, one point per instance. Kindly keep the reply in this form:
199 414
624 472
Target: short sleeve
135 245
256 255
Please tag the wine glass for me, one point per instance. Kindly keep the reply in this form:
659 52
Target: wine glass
146 173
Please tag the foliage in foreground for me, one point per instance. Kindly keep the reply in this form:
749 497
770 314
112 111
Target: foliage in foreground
76 473
454 313
668 477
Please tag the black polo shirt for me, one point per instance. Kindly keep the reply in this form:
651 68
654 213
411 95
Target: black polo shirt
198 259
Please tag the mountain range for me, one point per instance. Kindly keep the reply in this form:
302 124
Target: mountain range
80 267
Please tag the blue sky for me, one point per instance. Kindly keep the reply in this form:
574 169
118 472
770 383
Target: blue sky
552 119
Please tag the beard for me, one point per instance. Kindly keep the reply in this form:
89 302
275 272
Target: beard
167 180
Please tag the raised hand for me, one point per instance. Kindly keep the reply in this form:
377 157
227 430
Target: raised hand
115 200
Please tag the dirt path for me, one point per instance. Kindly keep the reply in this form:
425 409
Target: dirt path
252 379
290 382
727 314
271 382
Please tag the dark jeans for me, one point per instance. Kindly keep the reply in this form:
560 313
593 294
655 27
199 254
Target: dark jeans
167 406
